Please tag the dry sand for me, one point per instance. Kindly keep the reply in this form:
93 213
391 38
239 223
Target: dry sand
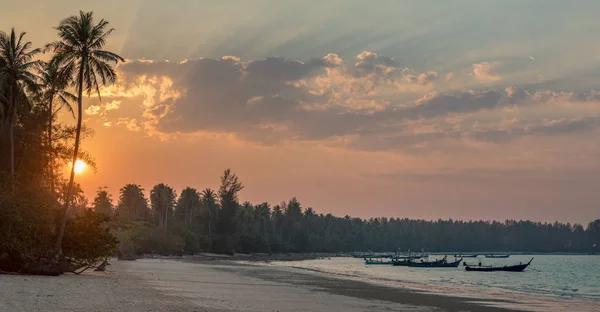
172 285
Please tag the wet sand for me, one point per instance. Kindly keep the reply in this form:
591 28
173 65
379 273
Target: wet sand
212 286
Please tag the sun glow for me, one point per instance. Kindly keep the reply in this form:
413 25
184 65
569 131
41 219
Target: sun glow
79 166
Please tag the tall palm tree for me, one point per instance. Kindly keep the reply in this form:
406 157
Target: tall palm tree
162 199
103 201
53 85
79 52
133 205
209 201
188 204
4 102
16 66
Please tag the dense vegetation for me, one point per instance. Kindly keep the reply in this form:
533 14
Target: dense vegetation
46 222
38 232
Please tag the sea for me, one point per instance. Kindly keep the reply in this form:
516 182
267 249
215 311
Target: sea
550 283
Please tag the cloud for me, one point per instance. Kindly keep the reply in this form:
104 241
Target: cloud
486 71
369 103
560 126
129 123
93 110
112 105
439 104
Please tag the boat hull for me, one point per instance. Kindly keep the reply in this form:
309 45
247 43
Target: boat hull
400 263
506 268
512 268
435 264
378 262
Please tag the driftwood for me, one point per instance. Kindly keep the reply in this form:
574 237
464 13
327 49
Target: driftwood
102 267
126 257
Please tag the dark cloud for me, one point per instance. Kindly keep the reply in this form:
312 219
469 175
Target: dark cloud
276 99
550 127
486 174
463 102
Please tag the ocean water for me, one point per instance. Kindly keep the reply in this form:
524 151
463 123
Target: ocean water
550 283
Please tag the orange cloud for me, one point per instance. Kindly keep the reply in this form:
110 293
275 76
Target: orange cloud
486 70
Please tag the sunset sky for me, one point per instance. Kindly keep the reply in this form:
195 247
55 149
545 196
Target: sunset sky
420 109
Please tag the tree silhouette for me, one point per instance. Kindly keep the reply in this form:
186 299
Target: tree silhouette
78 52
162 199
53 87
133 205
103 202
17 77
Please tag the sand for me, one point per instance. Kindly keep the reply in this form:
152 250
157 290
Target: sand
212 286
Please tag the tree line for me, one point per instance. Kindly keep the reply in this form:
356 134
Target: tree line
210 220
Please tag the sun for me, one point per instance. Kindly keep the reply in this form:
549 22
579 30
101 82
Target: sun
79 166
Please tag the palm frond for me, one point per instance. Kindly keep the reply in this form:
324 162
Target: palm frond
64 102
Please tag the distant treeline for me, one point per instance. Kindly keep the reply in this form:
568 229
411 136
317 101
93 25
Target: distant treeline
215 220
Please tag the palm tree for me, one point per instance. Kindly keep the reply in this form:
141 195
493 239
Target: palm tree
133 205
53 85
16 65
188 204
209 201
103 201
4 102
79 52
162 198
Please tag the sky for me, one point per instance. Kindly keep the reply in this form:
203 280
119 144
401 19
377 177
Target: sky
419 109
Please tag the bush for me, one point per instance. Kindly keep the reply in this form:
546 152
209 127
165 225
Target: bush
28 233
87 238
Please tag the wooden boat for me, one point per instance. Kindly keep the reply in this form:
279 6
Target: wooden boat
497 256
507 268
378 261
465 256
401 262
436 264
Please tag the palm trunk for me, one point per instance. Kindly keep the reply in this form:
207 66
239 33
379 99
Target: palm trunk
209 222
63 223
11 139
166 217
50 151
11 136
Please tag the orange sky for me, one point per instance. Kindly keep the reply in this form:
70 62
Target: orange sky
428 115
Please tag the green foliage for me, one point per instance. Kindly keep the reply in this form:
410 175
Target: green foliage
103 202
154 240
26 227
28 230
87 238
34 147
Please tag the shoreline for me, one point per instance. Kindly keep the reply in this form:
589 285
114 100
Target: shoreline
189 284
336 284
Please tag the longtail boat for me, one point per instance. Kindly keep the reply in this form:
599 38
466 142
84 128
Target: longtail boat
465 256
436 264
378 261
497 256
507 268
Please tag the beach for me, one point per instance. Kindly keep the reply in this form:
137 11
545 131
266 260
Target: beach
213 286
